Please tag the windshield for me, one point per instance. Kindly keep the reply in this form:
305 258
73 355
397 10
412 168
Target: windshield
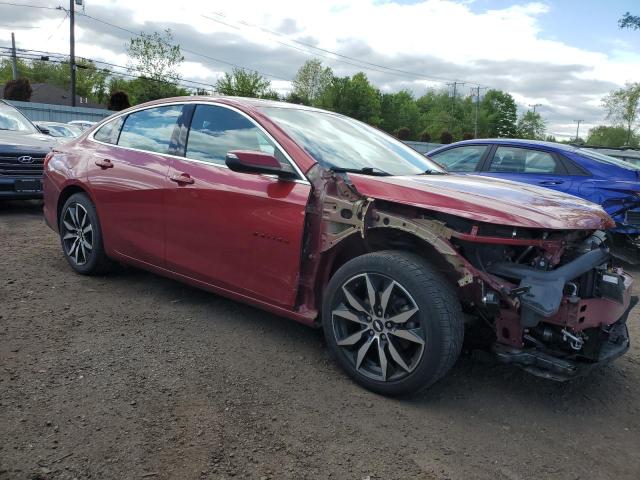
12 119
601 157
339 142
62 130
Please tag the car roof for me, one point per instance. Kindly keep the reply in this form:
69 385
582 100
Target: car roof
514 141
244 103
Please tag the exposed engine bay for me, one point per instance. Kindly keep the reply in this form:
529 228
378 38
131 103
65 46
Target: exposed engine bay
554 300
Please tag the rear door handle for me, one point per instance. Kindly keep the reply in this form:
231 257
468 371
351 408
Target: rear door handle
552 182
182 178
104 163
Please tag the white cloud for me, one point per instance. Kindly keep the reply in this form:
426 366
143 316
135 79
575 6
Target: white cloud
502 48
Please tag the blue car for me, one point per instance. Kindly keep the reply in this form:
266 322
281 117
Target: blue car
610 182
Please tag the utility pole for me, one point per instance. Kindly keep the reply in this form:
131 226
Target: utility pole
72 52
453 102
14 58
477 95
578 129
534 106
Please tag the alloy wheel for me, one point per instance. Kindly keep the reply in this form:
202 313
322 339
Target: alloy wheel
77 235
376 324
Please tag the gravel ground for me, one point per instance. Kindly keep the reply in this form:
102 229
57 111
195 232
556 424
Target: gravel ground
135 376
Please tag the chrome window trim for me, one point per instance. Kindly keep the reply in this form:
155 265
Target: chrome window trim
303 179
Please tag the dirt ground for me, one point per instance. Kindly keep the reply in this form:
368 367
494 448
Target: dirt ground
135 376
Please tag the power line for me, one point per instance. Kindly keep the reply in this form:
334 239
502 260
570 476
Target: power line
360 63
404 72
138 34
185 49
25 55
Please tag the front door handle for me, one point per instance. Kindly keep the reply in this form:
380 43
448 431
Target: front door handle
104 163
552 182
182 178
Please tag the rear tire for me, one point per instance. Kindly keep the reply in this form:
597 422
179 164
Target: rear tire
81 236
393 322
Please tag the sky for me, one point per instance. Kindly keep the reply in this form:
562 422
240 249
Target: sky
564 55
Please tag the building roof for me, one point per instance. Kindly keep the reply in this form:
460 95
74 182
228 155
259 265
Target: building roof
55 95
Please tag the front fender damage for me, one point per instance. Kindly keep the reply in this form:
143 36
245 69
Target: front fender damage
575 322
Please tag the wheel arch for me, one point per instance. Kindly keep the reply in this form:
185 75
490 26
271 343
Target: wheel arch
65 194
375 240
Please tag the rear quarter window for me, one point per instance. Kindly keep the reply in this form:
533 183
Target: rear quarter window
108 133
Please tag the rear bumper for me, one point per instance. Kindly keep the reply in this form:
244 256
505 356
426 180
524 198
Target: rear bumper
613 343
23 187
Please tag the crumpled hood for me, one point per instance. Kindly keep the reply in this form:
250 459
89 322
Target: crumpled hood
488 200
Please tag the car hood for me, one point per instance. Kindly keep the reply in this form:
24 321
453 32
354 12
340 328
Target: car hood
20 142
488 200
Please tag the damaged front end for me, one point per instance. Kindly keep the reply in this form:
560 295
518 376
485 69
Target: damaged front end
555 303
562 306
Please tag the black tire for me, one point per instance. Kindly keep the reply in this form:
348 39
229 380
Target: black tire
438 320
84 260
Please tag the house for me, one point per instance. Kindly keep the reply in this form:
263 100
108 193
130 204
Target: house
55 95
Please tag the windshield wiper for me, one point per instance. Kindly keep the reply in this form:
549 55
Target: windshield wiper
364 171
432 172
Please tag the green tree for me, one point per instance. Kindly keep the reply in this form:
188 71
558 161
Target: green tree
245 83
91 81
531 126
310 82
353 96
400 110
623 106
629 21
156 58
500 114
607 136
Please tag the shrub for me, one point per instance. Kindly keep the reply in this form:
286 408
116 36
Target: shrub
425 136
446 137
19 89
118 100
403 133
467 136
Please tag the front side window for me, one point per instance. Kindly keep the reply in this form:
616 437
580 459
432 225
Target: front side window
215 131
108 133
461 159
150 129
336 141
524 160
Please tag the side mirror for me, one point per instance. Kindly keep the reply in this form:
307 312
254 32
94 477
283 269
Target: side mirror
43 130
248 161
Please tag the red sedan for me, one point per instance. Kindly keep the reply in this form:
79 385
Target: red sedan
330 222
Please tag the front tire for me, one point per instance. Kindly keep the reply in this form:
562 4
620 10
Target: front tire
393 322
81 236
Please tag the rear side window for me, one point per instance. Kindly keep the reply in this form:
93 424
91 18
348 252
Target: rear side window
218 130
524 160
461 159
108 133
150 129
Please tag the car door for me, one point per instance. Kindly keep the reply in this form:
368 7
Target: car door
128 177
238 231
462 159
528 165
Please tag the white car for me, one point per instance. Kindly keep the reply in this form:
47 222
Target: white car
82 124
56 129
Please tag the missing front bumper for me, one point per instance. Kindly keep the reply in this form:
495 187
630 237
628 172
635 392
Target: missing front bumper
611 344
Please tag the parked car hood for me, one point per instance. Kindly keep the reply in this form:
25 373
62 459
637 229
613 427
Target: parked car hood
488 200
19 142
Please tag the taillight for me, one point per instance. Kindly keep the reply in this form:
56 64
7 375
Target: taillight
48 157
